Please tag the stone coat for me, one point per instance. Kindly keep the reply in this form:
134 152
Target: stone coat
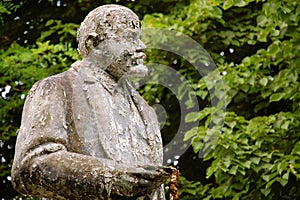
75 127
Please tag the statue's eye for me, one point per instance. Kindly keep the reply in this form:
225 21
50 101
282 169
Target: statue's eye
136 25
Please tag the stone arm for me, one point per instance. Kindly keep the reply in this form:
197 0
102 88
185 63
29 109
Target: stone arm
44 166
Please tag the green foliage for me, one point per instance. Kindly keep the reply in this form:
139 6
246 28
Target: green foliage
66 32
192 190
254 145
6 8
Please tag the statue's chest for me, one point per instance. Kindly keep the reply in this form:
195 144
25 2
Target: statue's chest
125 115
116 126
118 131
128 128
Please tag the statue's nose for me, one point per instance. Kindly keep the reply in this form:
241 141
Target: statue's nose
141 46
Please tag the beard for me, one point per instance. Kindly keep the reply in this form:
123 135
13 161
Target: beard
137 71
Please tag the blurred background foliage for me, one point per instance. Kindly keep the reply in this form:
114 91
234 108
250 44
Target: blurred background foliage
253 145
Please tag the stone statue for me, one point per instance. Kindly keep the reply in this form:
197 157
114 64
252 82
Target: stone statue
86 133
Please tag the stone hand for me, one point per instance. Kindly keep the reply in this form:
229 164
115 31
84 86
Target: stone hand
140 180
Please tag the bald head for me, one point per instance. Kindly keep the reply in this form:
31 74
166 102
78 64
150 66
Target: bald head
105 22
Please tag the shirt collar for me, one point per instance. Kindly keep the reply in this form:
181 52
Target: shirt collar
92 76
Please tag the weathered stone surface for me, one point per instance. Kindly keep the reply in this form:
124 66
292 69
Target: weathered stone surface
86 133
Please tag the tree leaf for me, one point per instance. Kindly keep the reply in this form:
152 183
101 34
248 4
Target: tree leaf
263 81
276 97
286 175
296 149
262 20
265 191
190 133
192 116
273 49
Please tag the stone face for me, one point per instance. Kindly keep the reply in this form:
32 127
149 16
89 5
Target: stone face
86 133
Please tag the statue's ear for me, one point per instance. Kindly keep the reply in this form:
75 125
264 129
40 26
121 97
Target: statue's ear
94 39
91 40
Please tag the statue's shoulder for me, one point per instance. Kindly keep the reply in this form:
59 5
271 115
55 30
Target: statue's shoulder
56 83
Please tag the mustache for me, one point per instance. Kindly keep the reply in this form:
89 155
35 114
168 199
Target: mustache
132 58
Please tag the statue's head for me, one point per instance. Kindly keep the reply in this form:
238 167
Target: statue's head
110 36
